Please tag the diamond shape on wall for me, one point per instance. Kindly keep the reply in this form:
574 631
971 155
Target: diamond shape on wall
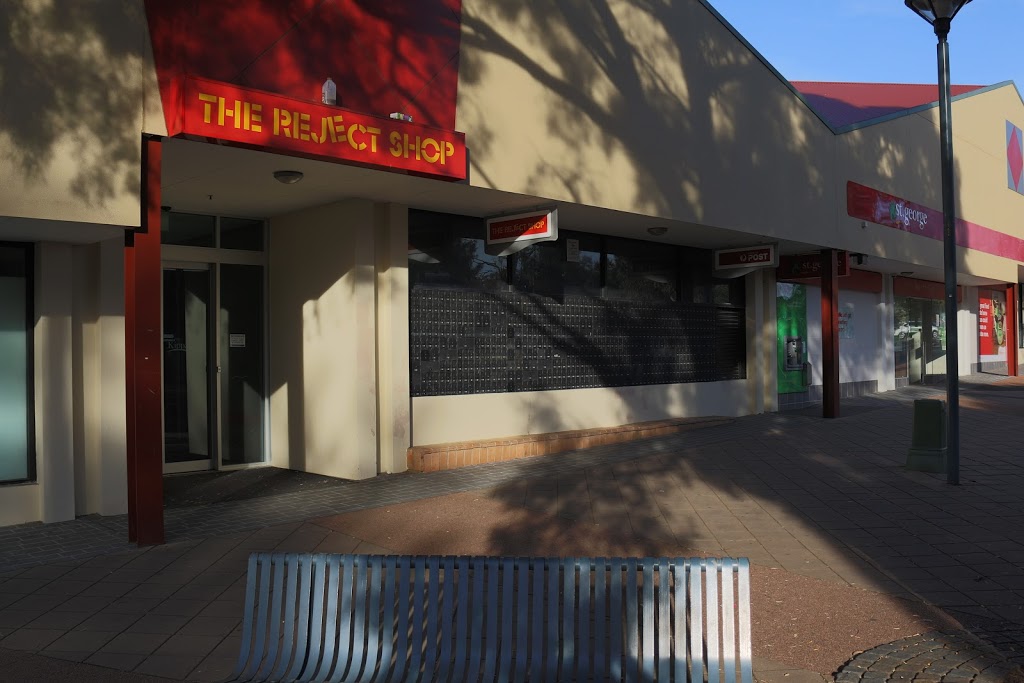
1014 157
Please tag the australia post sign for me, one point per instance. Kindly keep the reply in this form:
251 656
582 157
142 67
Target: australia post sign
747 257
252 117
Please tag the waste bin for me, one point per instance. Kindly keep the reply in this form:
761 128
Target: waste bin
927 451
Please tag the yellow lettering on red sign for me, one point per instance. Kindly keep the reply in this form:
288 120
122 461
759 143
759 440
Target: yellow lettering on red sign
332 129
244 115
417 148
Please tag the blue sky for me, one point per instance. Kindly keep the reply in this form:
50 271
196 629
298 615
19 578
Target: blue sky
880 40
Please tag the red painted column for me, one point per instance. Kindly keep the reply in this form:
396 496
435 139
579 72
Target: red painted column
129 374
143 353
830 333
1010 324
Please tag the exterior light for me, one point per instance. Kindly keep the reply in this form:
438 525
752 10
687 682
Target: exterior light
657 230
288 177
329 92
939 13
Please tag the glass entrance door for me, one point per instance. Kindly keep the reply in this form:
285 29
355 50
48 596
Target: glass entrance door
213 366
241 364
188 391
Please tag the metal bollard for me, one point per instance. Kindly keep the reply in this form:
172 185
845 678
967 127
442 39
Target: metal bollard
927 451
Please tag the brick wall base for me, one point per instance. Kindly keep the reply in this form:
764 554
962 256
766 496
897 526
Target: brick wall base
448 456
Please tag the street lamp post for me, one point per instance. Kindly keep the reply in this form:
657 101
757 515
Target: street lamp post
940 13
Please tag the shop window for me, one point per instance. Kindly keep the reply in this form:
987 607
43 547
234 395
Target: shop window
582 311
1020 315
17 460
241 233
449 251
641 271
544 268
189 230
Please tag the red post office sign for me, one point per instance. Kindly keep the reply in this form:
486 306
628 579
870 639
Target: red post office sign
534 227
747 257
223 111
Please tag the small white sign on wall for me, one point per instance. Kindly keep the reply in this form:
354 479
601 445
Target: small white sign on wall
572 250
236 341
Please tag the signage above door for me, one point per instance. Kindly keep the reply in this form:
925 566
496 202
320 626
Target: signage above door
747 257
275 123
808 266
511 233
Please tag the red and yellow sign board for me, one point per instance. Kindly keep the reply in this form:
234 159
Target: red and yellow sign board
252 117
746 257
524 226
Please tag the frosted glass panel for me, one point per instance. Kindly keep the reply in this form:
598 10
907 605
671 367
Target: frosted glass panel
14 403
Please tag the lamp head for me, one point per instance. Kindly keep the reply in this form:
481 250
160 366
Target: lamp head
938 13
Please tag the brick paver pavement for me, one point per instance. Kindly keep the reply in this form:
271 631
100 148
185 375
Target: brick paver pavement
823 508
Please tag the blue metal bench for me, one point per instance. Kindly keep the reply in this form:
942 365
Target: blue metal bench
315 617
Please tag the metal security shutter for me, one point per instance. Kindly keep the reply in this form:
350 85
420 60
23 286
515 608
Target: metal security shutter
731 343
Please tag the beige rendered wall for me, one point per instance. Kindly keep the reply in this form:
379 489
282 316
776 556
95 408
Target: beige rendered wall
761 341
444 419
901 157
979 148
54 408
393 412
79 90
651 108
100 448
323 359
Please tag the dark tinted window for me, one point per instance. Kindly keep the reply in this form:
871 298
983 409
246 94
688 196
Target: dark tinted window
188 229
641 271
241 233
546 268
448 251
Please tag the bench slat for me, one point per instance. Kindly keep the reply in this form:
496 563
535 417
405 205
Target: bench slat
551 642
566 654
464 609
728 623
743 609
582 664
490 641
664 621
630 659
351 618
647 637
388 623
600 618
447 621
710 570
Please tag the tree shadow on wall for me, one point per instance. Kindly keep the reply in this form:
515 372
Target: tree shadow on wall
654 107
72 86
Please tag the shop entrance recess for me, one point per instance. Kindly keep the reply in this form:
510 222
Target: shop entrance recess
919 331
214 360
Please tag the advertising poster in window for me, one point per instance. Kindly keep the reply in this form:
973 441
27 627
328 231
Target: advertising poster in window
846 330
991 326
791 313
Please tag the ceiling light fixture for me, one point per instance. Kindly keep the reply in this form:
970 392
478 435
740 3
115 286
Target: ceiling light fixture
657 230
288 177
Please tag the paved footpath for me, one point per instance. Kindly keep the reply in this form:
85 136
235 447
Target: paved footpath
862 570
